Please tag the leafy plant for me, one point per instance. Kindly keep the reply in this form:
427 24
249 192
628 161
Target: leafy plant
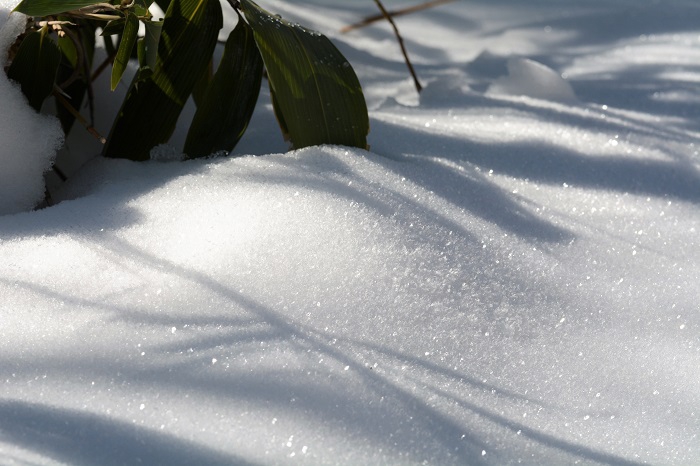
316 95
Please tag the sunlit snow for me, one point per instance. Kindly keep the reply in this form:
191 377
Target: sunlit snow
508 276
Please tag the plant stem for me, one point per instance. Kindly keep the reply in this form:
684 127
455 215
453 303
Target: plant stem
98 71
91 129
403 48
394 13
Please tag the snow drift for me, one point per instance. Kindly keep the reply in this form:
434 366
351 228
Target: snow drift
503 279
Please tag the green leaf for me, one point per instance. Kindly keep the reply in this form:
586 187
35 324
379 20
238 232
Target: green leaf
203 83
121 60
279 116
116 26
67 47
51 7
152 105
148 45
223 115
35 67
317 93
140 7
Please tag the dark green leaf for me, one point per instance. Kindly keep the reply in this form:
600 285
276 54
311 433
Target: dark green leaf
116 26
68 49
317 93
152 105
141 7
51 7
203 83
109 46
163 4
223 116
35 67
121 60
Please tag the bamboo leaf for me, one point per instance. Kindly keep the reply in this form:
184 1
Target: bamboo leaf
51 7
317 93
223 115
152 105
116 26
149 44
203 83
140 7
35 67
121 60
68 49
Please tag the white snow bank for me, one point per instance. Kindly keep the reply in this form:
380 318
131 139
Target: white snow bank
502 281
28 141
347 308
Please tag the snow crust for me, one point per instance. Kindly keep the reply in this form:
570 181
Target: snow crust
505 278
29 140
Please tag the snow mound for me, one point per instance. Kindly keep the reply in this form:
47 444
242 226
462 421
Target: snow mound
29 140
533 79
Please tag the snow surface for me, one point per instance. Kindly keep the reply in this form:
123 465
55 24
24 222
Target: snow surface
505 278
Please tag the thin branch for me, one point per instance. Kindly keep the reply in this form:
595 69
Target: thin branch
98 71
59 173
403 48
63 101
394 13
98 16
80 57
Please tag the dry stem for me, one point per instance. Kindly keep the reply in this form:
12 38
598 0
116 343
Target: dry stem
403 48
394 13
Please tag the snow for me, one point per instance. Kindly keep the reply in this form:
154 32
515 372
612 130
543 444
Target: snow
504 278
529 78
29 140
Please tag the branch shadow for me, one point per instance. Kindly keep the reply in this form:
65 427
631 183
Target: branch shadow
345 407
640 88
611 23
80 438
538 161
445 429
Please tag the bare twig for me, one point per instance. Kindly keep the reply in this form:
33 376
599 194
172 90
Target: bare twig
63 101
403 48
80 58
99 16
394 13
98 71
